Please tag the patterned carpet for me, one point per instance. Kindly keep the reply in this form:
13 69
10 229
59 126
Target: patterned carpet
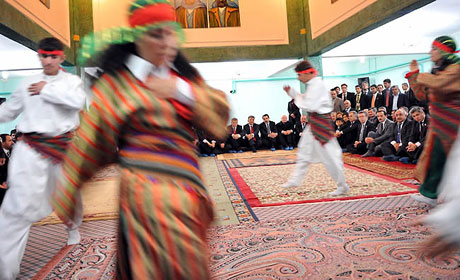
364 245
396 170
261 186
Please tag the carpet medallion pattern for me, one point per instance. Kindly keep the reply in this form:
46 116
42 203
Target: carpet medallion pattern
365 245
395 170
261 185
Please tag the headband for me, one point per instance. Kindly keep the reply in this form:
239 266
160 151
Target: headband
152 14
310 70
444 48
56 52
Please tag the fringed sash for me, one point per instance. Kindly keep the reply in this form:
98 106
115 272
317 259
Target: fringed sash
321 127
49 147
445 120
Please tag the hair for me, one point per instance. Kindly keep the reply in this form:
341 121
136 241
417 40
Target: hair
50 44
405 109
374 85
394 86
251 116
404 84
344 114
114 58
265 115
336 88
373 109
363 112
384 109
234 119
343 85
387 81
13 131
19 134
416 109
3 137
303 65
357 86
354 112
379 85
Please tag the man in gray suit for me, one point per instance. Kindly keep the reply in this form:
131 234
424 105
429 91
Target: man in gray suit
383 133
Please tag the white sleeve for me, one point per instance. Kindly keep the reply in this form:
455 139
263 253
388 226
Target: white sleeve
293 93
68 92
184 93
316 98
11 108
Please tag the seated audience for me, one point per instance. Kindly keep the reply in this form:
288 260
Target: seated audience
299 127
349 133
364 127
372 116
347 105
234 139
382 134
251 134
285 133
206 145
268 132
396 147
417 139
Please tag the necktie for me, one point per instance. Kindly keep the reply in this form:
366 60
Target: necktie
8 153
420 127
383 127
252 129
361 134
358 106
268 128
234 130
387 101
373 100
398 136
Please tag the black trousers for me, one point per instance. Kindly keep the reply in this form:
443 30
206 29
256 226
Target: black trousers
269 142
233 144
286 140
388 150
360 148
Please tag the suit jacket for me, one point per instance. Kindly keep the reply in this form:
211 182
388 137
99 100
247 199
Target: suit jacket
4 168
368 126
384 132
363 102
350 96
402 101
239 130
247 130
406 132
379 101
349 133
264 131
298 128
338 105
284 126
384 98
293 109
419 130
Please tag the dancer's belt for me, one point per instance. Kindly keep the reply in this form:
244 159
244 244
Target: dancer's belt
321 127
445 121
49 147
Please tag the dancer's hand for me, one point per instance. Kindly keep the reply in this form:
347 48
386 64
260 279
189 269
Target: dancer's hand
162 88
413 66
36 88
287 89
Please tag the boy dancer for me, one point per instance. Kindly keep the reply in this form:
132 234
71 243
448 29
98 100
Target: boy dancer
317 143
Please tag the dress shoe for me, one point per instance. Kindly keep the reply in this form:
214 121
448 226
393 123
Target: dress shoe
390 158
368 154
404 160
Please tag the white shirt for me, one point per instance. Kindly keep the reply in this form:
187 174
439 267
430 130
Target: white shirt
395 102
141 69
53 112
316 98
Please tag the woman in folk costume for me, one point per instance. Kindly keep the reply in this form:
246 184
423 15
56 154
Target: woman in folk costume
146 107
441 88
317 143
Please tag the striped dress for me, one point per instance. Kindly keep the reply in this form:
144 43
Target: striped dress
443 92
164 207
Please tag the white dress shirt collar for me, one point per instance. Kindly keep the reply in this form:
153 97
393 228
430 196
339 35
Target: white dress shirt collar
141 68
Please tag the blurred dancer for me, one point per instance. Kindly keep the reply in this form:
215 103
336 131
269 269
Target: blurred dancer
147 107
441 88
317 143
50 103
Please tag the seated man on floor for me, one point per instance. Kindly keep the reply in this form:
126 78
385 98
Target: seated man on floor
396 147
298 129
206 145
234 139
364 127
251 134
382 134
372 116
268 132
349 134
286 133
417 139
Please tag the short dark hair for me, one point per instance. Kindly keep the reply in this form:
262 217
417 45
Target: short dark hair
343 85
12 131
265 115
3 136
362 112
383 109
50 44
357 86
374 85
387 81
303 65
344 114
234 119
336 88
251 116
416 109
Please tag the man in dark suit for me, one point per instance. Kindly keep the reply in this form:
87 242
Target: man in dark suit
251 134
347 105
294 112
386 93
348 134
268 132
5 153
396 147
364 127
382 134
361 99
298 129
397 99
417 139
375 99
234 139
345 95
412 100
285 133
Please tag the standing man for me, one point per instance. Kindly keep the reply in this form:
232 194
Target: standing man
361 99
337 103
375 99
346 95
294 112
386 93
397 100
50 103
317 143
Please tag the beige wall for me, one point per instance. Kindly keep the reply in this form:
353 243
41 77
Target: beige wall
324 15
54 20
263 22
